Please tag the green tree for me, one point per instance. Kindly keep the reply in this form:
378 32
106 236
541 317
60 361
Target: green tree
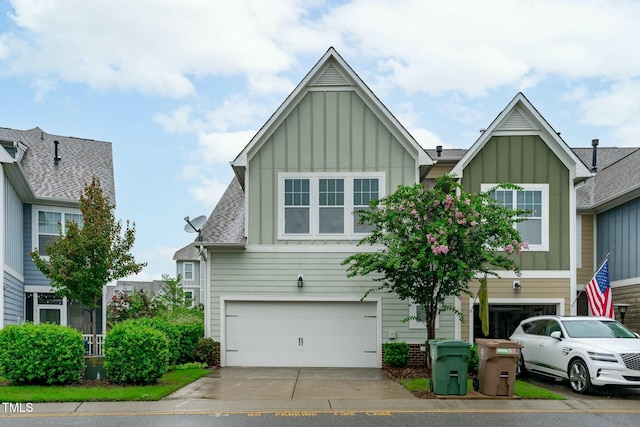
82 261
432 242
174 297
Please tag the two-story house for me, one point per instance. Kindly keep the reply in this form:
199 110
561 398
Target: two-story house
41 179
276 293
608 209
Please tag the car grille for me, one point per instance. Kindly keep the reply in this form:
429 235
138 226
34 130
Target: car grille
631 360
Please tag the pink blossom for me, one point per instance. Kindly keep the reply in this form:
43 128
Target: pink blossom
473 223
437 250
414 212
467 202
508 249
524 245
459 215
462 221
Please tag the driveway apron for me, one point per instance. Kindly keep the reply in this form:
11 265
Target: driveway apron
293 384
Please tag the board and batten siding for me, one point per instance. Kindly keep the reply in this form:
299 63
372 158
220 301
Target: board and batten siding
13 300
528 160
587 269
618 234
13 229
273 275
328 131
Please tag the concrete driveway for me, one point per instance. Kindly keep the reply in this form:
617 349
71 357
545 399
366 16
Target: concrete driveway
294 384
562 388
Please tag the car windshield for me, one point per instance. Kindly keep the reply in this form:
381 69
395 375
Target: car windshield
594 328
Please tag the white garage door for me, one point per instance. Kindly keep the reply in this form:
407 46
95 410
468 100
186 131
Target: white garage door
288 333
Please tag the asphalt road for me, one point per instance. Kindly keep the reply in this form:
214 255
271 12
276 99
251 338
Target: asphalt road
322 419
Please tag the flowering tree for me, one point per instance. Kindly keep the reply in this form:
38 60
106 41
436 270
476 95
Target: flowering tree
434 241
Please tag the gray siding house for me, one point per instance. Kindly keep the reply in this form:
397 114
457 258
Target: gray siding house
41 178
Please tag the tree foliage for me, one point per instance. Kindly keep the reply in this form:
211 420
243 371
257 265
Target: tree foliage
431 242
88 256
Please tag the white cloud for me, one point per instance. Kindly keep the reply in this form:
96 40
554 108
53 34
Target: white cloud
617 109
209 190
166 48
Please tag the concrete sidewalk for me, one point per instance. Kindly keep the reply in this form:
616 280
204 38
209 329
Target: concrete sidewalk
316 390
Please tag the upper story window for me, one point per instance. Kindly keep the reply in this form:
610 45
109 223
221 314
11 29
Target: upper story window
326 204
187 271
47 222
535 198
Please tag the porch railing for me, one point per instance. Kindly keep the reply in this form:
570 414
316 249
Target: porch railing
88 344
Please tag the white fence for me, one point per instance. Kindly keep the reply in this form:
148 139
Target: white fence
88 344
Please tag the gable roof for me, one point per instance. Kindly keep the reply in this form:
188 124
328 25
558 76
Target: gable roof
521 117
331 71
38 179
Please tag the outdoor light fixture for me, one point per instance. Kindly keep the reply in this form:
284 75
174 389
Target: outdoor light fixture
300 280
622 308
517 287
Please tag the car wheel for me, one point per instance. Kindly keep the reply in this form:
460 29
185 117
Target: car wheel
521 370
579 377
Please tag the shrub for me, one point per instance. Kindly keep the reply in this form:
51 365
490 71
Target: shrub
43 354
182 332
473 359
396 353
135 354
206 351
170 332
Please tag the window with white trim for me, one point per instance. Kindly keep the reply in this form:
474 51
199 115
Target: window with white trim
188 298
534 229
187 271
326 204
47 223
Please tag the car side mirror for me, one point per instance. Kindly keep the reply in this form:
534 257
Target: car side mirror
557 335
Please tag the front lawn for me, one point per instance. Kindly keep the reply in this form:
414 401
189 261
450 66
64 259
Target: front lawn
170 382
522 389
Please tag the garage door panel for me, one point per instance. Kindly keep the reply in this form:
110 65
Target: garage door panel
331 334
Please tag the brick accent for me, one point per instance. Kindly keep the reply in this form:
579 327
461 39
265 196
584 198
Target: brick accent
417 358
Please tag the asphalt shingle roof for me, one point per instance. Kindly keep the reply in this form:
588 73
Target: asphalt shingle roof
81 159
225 225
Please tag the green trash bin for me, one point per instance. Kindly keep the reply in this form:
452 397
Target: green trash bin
449 367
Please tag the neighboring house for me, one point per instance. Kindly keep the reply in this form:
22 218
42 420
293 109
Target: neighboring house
128 287
609 217
42 177
189 267
276 293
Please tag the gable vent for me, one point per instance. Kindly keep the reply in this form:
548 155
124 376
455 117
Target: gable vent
516 121
331 77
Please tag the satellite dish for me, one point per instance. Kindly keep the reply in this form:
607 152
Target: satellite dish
194 225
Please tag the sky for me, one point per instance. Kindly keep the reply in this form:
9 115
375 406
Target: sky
179 87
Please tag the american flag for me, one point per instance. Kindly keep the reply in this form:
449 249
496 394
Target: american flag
599 292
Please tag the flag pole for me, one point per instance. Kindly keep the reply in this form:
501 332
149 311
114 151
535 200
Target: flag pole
597 269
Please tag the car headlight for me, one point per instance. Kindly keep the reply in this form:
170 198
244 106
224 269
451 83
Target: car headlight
602 357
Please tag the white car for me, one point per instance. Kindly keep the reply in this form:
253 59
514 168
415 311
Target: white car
587 351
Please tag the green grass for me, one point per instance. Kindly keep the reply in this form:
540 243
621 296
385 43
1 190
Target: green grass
170 382
522 389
